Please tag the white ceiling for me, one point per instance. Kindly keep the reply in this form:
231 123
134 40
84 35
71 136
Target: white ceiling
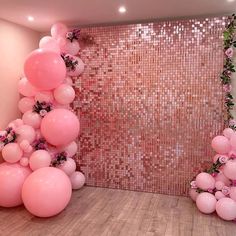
95 12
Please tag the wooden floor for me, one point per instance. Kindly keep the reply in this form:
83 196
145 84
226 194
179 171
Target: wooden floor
98 211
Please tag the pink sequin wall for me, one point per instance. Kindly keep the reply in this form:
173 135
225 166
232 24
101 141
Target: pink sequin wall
150 101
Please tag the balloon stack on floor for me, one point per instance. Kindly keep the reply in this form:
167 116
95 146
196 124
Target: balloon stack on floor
215 189
39 170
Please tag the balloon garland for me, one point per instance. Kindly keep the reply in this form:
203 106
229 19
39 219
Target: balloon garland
215 188
39 170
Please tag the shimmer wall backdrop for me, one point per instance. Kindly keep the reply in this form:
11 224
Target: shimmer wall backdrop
150 101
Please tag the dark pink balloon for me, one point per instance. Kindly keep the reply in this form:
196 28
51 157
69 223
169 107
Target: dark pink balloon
45 69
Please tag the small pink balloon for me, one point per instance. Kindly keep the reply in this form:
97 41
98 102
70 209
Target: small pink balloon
205 181
24 144
24 161
70 149
58 30
29 149
79 68
206 203
61 42
12 152
49 43
60 127
32 119
69 166
25 132
71 48
46 192
77 180
219 185
12 177
221 144
68 81
26 104
45 69
44 96
39 159
230 169
226 208
18 122
64 94
221 177
233 140
228 133
219 195
193 194
26 88
232 193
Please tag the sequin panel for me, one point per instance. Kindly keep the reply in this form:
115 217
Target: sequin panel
150 101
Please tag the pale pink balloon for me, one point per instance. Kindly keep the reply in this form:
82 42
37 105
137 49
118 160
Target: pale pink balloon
223 178
70 149
77 180
26 88
49 43
15 123
206 203
230 169
205 181
219 185
233 140
219 195
228 133
24 161
69 166
24 145
61 42
193 194
44 96
12 177
39 159
68 81
226 208
25 132
232 193
60 127
59 30
71 48
221 144
29 149
79 68
26 104
46 192
32 119
64 94
45 69
12 152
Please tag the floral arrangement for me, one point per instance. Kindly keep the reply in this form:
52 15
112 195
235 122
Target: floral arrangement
70 62
7 136
59 159
73 35
40 144
42 108
229 68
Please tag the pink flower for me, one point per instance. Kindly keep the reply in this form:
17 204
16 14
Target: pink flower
69 35
227 88
223 159
225 190
193 184
43 112
229 52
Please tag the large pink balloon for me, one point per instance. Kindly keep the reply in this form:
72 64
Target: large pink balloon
25 88
49 43
44 96
230 169
45 69
12 177
226 208
205 181
46 192
64 94
39 159
12 153
77 180
60 127
71 48
69 166
79 68
58 30
70 149
219 195
228 133
221 144
26 104
32 119
25 132
206 202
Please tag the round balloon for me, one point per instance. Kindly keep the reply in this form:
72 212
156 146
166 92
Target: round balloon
230 169
221 144
26 104
193 194
69 166
60 127
45 69
12 177
228 133
77 180
46 192
44 96
79 68
39 159
71 48
49 43
205 181
58 30
25 132
206 203
64 94
70 149
12 153
32 119
226 208
25 88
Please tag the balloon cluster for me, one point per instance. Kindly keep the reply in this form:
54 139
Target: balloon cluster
38 150
215 189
